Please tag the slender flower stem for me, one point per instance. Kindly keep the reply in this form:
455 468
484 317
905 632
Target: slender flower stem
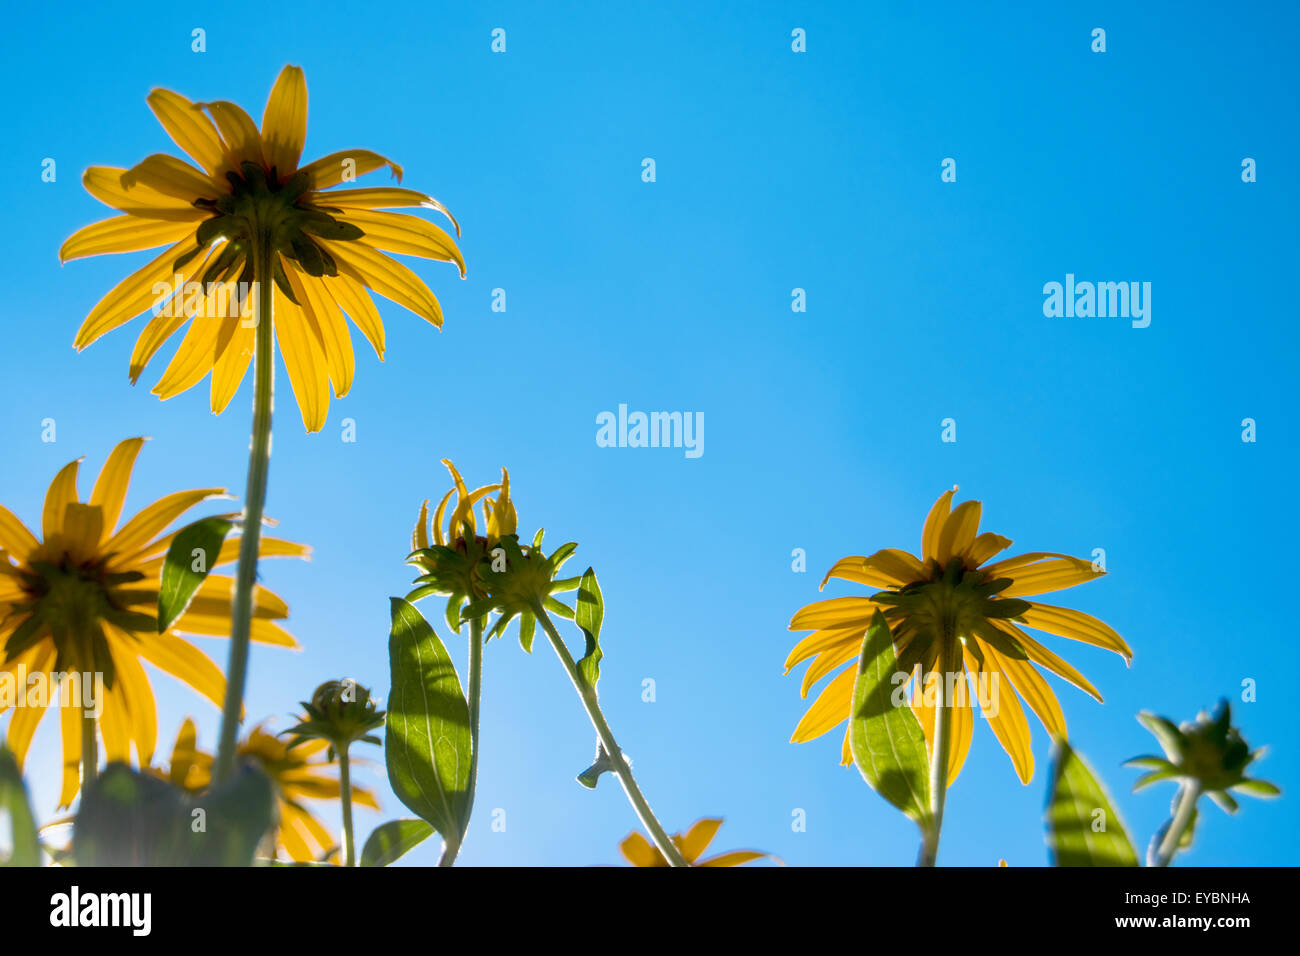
452 849
938 762
345 790
1189 793
259 461
588 696
89 748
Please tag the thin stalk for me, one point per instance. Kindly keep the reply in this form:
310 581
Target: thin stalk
259 461
89 748
938 763
1188 794
345 789
589 701
452 849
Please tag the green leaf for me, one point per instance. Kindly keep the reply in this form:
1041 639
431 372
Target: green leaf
1083 828
392 840
26 849
128 818
887 741
197 544
589 616
427 744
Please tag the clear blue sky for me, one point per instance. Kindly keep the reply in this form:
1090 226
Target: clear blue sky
775 170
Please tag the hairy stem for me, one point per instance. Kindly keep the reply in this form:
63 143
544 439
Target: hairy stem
1188 794
938 762
588 696
259 461
345 790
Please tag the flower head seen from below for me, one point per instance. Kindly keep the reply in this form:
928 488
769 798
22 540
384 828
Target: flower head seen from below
82 600
1208 753
953 603
248 199
340 712
448 549
639 851
295 776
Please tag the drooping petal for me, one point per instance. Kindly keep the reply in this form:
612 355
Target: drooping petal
386 276
356 302
150 285
232 365
1031 686
408 235
1051 575
142 528
304 360
1066 622
330 327
1007 718
834 612
382 197
830 709
334 168
185 662
14 535
828 661
23 721
70 725
823 640
1041 655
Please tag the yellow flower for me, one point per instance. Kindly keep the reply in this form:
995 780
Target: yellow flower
951 601
500 517
639 851
295 777
83 601
323 254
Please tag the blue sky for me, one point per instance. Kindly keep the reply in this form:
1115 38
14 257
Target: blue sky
775 170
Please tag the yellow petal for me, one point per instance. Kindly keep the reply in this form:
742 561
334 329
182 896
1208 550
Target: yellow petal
171 177
182 660
356 302
420 535
148 286
1076 625
333 169
123 234
263 630
934 523
828 661
985 546
1031 686
242 141
409 235
62 492
189 128
637 850
1041 655
232 365
304 361
137 694
698 838
860 570
109 493
144 202
14 536
1052 575
382 197
830 709
959 531
284 123
23 721
329 325
141 529
833 612
70 724
386 276
733 858
1007 719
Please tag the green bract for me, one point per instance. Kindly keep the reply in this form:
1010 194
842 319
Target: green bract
1208 752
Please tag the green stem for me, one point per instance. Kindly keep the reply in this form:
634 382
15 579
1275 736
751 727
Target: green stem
588 696
345 790
89 748
452 849
938 763
1187 797
259 461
